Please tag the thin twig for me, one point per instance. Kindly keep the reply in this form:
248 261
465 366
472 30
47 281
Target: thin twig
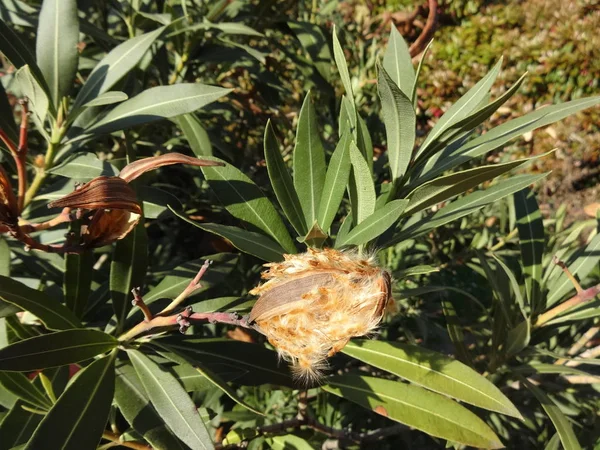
193 286
64 217
113 437
582 297
22 153
568 273
138 301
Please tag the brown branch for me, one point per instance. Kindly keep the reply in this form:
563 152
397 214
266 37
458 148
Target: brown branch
22 153
427 33
64 217
138 301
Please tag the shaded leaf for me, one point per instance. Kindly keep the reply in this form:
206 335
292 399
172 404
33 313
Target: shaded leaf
195 134
55 349
374 225
78 418
31 88
249 242
77 281
282 183
54 315
108 98
84 166
434 371
416 407
156 201
365 190
171 402
245 201
19 385
18 425
518 337
7 119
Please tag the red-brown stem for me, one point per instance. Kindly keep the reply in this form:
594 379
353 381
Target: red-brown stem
568 273
583 296
64 217
22 153
138 301
171 321
31 243
194 285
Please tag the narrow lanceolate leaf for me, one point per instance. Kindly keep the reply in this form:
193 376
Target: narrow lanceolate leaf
342 65
365 189
584 262
115 65
336 181
17 426
398 63
77 281
54 315
33 90
157 103
84 166
282 183
108 98
531 240
446 187
413 95
500 135
455 332
518 338
309 162
400 122
19 385
433 371
461 109
127 270
416 407
55 349
172 402
195 134
134 404
78 418
246 241
56 45
374 225
513 284
561 423
19 53
245 201
466 205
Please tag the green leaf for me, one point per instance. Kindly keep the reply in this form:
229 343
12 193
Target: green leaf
434 371
157 103
455 332
289 442
340 62
127 270
282 183
443 188
195 134
18 425
313 40
249 242
531 241
563 427
19 53
54 315
56 46
398 63
374 225
254 363
461 109
245 201
156 201
77 281
365 189
171 401
413 95
513 284
583 264
227 304
309 162
500 135
587 310
177 280
400 124
115 65
84 166
135 406
19 385
55 349
518 338
31 88
466 205
4 258
336 181
108 98
7 119
416 407
363 140
78 418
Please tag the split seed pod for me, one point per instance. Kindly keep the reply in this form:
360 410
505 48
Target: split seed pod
313 303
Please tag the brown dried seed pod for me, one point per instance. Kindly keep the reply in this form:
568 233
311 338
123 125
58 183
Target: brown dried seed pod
313 303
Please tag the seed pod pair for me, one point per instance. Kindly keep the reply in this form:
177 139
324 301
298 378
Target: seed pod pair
313 303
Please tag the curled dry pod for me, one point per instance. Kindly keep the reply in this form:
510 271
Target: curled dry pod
313 303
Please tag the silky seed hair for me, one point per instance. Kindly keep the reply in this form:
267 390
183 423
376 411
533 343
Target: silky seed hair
313 303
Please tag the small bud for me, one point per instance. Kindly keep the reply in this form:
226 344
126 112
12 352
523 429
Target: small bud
313 303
